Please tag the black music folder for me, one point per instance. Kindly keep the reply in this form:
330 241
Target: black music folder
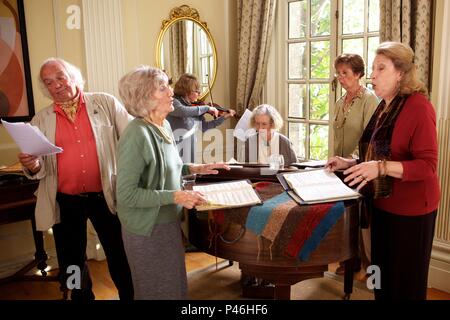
316 186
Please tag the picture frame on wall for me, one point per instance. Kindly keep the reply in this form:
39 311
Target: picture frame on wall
16 94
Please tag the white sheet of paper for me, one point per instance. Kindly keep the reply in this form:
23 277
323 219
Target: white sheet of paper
242 129
30 139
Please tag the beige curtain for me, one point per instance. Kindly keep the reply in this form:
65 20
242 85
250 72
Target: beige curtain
255 25
409 21
178 50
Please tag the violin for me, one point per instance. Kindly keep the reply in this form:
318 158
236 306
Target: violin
211 104
222 110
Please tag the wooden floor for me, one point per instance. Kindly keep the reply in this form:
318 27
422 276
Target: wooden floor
104 288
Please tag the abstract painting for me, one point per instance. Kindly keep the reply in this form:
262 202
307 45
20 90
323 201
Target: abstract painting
16 97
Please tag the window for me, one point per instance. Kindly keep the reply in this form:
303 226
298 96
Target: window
198 39
313 33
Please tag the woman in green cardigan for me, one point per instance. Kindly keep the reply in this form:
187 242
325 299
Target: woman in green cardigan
149 198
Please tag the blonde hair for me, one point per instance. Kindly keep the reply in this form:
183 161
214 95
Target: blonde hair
267 109
402 56
136 89
73 72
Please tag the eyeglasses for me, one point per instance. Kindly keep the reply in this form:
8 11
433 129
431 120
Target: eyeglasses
340 75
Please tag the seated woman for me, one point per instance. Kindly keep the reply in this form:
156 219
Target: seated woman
266 120
185 119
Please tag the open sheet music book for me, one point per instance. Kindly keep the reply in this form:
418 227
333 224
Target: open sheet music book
316 186
230 194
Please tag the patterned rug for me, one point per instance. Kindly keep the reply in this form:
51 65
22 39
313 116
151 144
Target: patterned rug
223 284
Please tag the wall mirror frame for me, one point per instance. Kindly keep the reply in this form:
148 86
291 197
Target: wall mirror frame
185 44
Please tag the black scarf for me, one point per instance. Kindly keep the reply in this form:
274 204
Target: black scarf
375 142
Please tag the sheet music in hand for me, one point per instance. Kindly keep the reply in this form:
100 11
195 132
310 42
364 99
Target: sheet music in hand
316 186
232 194
30 139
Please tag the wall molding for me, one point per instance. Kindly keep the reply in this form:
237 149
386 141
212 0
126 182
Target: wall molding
439 273
103 36
57 22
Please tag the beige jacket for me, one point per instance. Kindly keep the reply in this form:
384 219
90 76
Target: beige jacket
108 120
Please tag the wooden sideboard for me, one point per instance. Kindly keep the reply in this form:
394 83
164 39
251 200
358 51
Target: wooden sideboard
17 203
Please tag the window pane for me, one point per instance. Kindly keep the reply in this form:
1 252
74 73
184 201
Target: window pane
319 101
320 17
297 134
297 100
318 148
374 15
320 60
353 46
297 60
373 43
205 48
204 70
353 16
297 19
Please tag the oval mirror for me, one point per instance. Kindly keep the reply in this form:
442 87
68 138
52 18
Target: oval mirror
186 45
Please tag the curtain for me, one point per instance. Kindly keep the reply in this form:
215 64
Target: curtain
410 21
178 50
255 26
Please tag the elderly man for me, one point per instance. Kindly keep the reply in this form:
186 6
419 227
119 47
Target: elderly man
79 183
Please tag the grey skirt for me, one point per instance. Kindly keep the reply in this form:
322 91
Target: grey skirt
157 263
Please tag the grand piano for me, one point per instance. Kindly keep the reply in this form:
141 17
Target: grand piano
235 243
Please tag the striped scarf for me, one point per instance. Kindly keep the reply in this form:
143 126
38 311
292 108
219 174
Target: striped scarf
375 142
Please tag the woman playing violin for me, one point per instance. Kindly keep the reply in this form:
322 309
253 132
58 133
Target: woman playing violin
186 118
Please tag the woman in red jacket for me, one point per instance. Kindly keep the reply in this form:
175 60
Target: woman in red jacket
398 170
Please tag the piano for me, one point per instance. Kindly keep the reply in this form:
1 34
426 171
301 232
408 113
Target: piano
280 272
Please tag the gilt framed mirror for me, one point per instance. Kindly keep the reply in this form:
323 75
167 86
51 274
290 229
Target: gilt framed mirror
186 45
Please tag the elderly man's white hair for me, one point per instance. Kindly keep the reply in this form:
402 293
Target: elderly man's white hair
73 72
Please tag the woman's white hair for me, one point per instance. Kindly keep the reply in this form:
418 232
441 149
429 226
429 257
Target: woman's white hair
136 89
73 72
267 109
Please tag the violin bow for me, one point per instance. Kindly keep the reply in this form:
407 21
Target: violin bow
210 91
211 97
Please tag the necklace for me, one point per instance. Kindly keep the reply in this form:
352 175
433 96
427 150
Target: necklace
163 132
346 107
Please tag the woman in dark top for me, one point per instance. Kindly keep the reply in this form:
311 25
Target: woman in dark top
397 168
